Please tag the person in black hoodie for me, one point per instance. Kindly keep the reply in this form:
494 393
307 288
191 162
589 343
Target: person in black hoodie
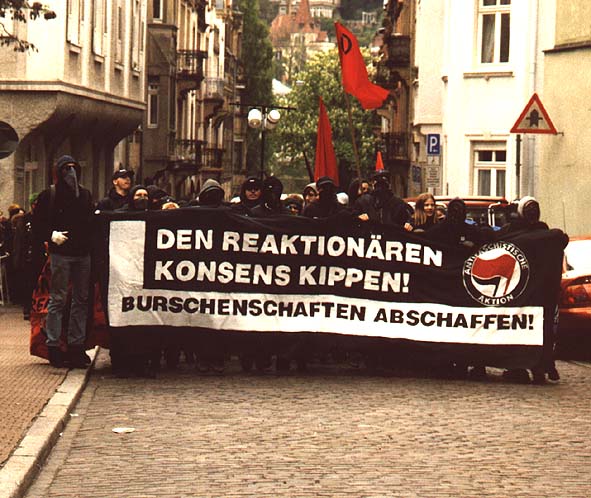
118 196
271 204
250 196
63 220
327 204
382 206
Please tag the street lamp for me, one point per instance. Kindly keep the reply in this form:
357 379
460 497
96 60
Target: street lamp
265 118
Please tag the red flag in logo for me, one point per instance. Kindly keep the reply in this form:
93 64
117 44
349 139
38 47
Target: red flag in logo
354 73
379 162
325 163
491 270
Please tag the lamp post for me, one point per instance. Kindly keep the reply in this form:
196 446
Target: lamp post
265 118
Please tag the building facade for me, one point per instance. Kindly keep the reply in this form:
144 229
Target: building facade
79 93
191 131
478 62
564 179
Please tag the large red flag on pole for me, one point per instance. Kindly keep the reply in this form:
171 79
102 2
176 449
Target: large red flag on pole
325 163
379 162
354 73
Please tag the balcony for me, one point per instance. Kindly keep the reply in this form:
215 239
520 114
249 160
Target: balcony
185 153
211 158
189 69
397 49
213 96
395 146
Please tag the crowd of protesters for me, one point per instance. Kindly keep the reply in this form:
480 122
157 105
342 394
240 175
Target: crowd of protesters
59 225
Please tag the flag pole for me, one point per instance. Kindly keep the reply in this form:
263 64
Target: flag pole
355 151
310 173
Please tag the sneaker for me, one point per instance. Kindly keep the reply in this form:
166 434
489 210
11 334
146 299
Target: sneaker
553 374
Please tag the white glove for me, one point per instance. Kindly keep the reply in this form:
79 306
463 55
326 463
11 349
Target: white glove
58 238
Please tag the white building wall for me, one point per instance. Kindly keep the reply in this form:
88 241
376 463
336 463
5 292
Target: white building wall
478 102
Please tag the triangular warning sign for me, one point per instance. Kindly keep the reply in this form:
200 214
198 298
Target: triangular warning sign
534 119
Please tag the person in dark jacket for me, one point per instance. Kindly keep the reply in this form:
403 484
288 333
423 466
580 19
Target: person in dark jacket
271 204
527 218
118 196
327 204
209 345
63 220
382 206
251 192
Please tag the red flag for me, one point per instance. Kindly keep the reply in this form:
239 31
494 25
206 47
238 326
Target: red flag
354 73
325 163
379 162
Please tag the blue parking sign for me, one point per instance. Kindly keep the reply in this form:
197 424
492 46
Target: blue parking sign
433 144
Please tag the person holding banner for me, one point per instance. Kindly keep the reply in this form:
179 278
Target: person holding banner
271 204
424 216
327 204
382 206
63 220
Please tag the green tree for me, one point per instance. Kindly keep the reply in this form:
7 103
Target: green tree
257 59
20 11
296 133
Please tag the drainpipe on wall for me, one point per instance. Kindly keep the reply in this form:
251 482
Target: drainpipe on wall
532 139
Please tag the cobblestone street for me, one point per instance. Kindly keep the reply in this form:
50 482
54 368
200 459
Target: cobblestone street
329 433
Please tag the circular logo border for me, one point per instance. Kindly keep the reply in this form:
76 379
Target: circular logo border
484 300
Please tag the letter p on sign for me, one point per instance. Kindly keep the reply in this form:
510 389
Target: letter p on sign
433 144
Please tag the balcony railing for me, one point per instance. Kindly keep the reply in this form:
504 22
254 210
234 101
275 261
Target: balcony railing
211 157
185 149
189 63
395 146
214 88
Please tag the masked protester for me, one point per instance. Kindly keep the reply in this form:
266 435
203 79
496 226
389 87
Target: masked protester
62 218
118 196
139 199
271 204
382 206
526 217
327 204
134 353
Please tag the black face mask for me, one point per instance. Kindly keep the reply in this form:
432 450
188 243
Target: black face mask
70 179
141 204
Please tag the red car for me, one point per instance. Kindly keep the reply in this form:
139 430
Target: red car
493 211
574 326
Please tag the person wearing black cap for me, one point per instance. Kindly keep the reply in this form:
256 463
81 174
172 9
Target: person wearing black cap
251 192
327 204
118 196
381 205
63 220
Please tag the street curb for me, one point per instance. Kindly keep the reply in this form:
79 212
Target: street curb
22 466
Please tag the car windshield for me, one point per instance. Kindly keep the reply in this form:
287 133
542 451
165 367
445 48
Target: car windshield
577 255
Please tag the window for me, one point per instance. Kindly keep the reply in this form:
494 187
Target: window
490 169
73 22
119 38
99 27
494 29
136 35
157 10
152 105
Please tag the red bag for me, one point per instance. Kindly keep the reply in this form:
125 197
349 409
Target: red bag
97 333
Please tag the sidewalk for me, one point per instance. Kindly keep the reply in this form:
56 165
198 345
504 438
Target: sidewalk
35 401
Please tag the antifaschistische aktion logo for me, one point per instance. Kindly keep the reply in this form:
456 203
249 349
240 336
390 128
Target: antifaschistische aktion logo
497 274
